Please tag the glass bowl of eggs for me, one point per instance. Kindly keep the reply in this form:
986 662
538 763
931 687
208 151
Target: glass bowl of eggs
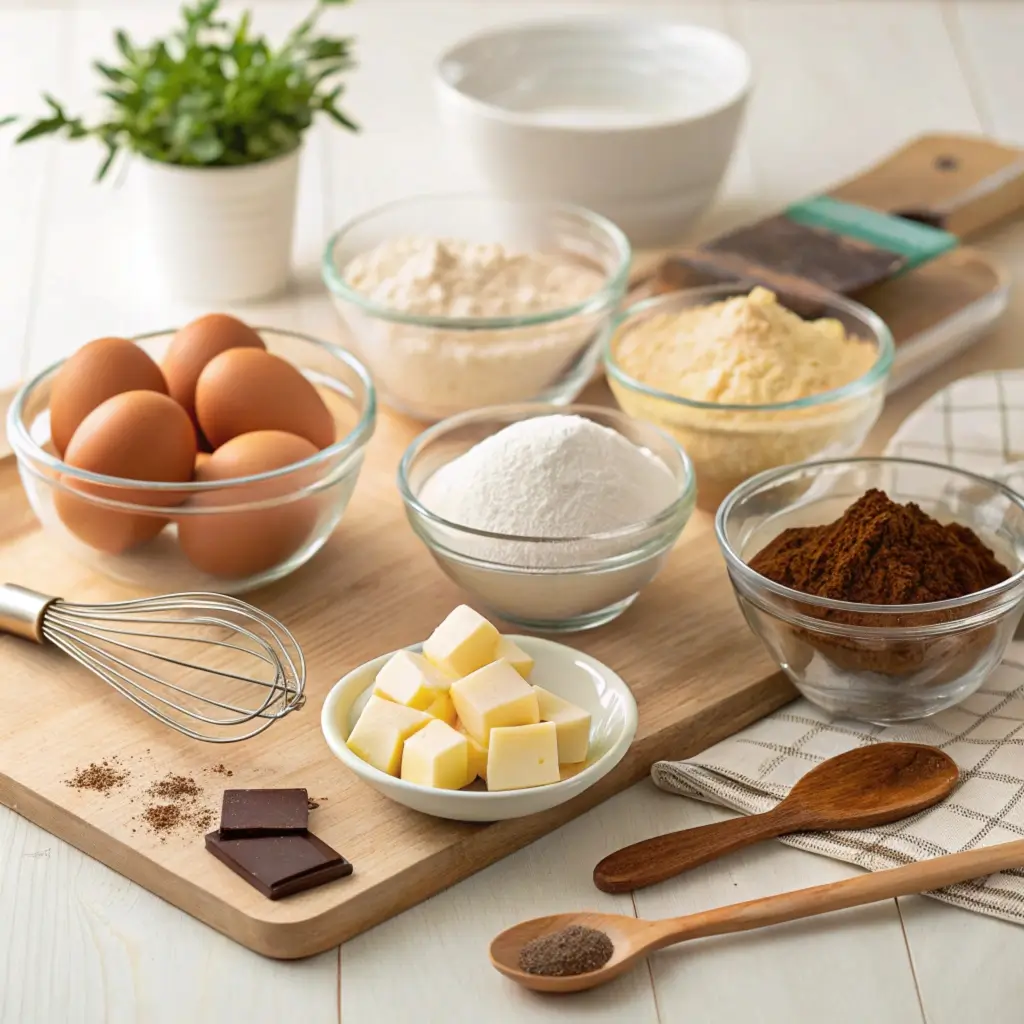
213 457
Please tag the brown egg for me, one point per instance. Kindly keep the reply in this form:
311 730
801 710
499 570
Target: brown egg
138 435
98 371
202 460
194 345
236 544
245 390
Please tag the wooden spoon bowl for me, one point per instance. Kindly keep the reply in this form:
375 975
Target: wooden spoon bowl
633 938
861 788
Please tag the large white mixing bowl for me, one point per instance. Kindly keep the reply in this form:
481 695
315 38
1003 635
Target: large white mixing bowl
634 118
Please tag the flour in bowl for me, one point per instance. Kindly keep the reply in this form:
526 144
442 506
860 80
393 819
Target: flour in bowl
556 477
435 371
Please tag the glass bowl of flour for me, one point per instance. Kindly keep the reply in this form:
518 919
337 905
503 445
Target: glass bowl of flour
460 302
552 517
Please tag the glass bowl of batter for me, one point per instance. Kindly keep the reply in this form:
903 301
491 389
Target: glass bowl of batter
458 302
578 579
745 384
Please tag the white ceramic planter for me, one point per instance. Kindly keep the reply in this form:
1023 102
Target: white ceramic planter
219 234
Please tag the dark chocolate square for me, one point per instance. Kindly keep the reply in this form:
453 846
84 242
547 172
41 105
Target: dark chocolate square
248 813
280 865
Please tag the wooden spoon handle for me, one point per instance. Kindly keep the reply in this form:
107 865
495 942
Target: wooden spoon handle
923 876
654 860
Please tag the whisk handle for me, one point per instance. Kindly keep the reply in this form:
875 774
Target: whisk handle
22 611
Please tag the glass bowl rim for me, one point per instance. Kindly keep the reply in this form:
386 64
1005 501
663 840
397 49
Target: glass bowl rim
687 487
878 371
25 448
748 487
608 295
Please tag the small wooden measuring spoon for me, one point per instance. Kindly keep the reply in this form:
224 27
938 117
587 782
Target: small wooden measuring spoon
864 787
633 938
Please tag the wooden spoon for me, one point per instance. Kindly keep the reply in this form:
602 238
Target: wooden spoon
859 789
633 938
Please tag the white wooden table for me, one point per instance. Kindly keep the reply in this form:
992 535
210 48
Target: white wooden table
838 84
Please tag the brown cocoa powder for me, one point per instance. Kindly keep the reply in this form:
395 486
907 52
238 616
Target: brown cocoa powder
175 787
179 806
162 817
100 777
882 552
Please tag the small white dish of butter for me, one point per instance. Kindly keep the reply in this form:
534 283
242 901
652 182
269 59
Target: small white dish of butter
472 725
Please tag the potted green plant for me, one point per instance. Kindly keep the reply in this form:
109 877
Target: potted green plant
217 116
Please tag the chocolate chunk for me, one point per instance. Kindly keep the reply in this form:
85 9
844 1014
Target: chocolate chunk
248 813
280 865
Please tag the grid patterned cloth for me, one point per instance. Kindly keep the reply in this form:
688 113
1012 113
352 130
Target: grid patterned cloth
977 423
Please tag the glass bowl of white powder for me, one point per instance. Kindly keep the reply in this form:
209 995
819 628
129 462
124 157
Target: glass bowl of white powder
553 517
459 302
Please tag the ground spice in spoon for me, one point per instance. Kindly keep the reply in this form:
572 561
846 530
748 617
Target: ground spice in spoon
573 950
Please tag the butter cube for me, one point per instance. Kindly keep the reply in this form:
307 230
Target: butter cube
381 732
571 723
522 756
464 642
477 755
437 756
410 679
443 708
515 656
492 696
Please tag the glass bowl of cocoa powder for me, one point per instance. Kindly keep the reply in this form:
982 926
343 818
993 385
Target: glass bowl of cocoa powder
886 589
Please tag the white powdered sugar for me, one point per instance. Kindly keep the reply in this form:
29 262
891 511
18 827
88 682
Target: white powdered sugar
552 477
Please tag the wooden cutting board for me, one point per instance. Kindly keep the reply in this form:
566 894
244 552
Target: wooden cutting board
696 670
966 185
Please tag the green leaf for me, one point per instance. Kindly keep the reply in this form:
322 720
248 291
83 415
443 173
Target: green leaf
9 119
242 30
206 150
47 126
124 45
113 74
107 161
336 115
58 110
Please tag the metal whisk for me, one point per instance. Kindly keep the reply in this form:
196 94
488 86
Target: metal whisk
248 667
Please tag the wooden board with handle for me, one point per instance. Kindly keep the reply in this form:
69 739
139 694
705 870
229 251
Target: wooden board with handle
963 185
696 670
968 186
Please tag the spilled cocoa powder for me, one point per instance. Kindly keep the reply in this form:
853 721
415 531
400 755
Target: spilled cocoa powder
175 803
100 777
176 806
162 817
175 787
